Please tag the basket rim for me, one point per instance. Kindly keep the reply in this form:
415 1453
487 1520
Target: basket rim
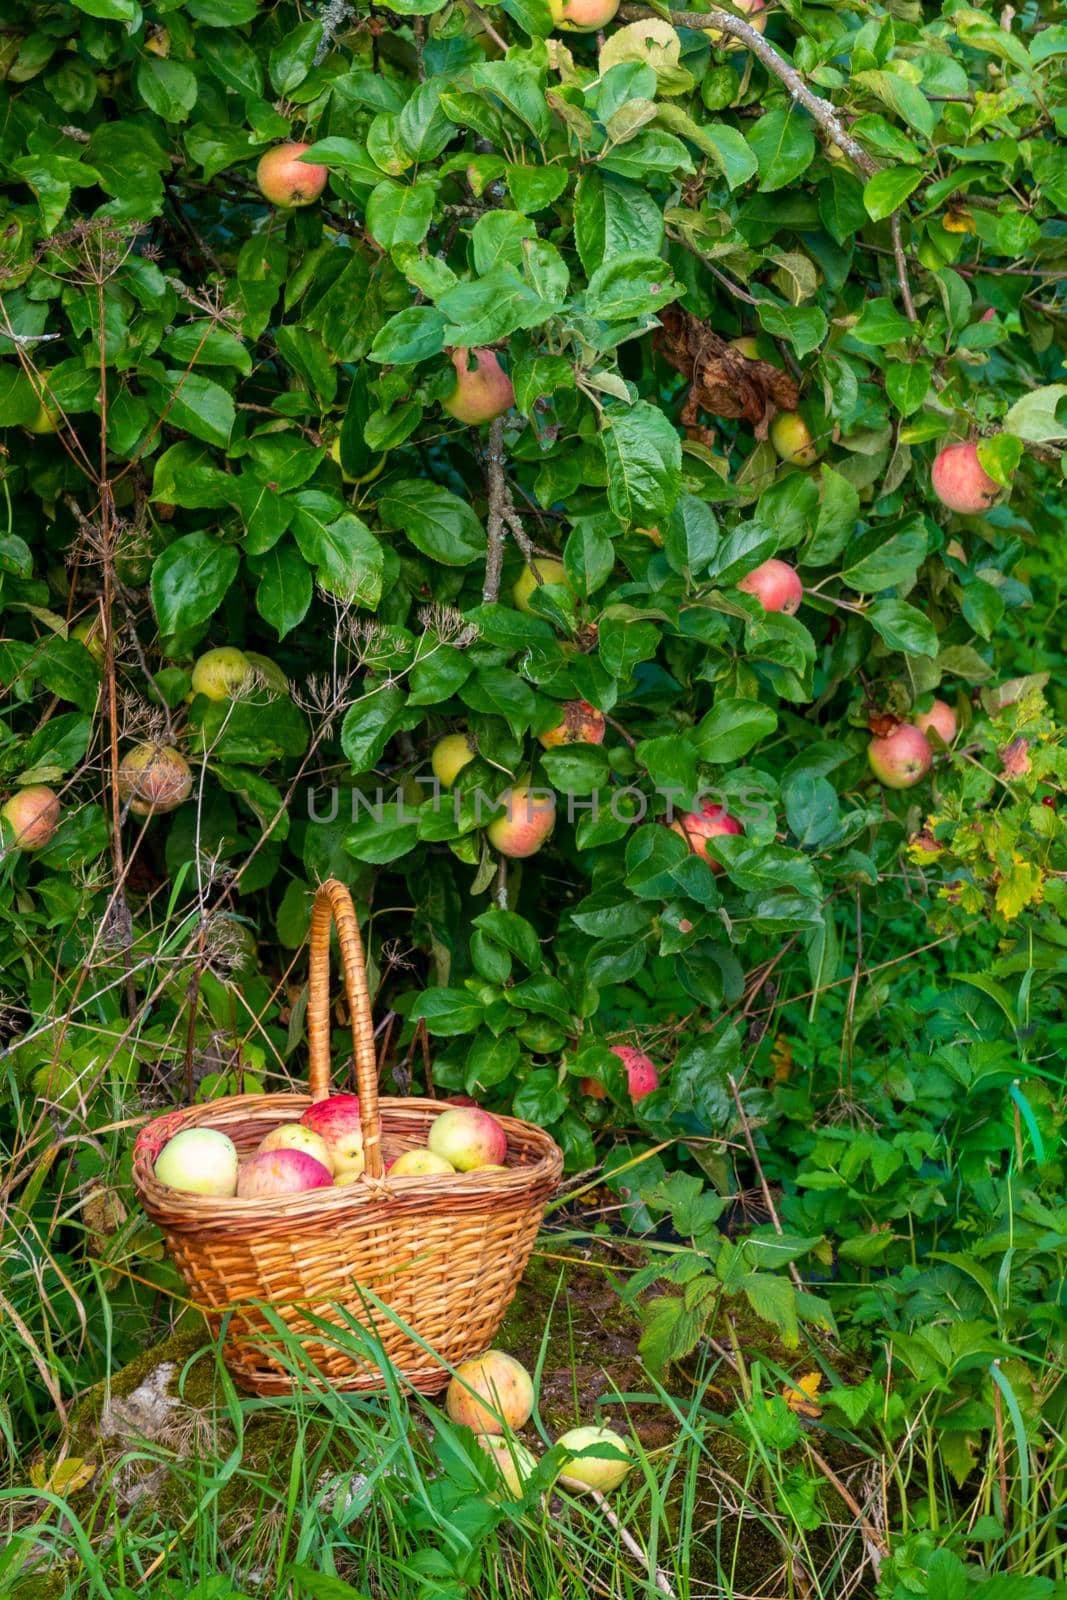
177 1207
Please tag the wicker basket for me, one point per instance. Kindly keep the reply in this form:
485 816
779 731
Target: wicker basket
445 1256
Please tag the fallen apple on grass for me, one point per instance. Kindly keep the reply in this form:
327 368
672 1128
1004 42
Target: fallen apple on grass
468 1138
513 1462
199 1161
489 1393
603 1470
32 815
336 1121
275 1172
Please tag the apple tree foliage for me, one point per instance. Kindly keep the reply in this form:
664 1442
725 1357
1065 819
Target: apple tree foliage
244 444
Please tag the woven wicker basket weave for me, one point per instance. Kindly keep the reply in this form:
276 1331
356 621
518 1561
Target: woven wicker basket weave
445 1254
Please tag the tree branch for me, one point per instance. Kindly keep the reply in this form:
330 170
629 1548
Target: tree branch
902 268
494 556
819 109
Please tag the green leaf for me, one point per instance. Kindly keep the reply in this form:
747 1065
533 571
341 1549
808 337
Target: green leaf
384 833
435 520
399 213
348 558
629 286
369 724
294 56
1039 416
189 580
907 384
284 592
169 88
886 556
198 405
412 335
804 326
784 146
887 191
611 216
487 309
903 627
447 1012
644 457
732 728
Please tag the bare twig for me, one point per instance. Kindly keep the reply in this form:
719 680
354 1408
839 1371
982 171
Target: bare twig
484 23
768 1199
902 269
494 556
821 111
876 1548
661 1580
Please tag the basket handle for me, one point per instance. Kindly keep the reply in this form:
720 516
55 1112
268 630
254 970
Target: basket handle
333 903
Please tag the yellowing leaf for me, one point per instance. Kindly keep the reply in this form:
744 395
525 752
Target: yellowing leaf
66 1477
1021 886
801 1397
782 1059
958 220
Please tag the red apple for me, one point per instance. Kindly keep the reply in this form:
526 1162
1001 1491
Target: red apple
287 181
336 1121
582 724
294 1136
901 758
961 482
525 824
776 586
940 717
280 1172
154 778
752 11
641 1074
469 1138
696 828
502 1393
482 392
32 815
582 16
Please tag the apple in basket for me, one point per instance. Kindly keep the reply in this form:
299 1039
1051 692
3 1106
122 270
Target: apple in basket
490 1392
274 1172
294 1136
199 1161
468 1138
336 1121
419 1163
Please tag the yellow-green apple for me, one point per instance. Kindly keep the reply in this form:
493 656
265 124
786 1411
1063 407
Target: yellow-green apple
267 674
335 455
468 1138
287 181
47 417
154 778
775 585
419 1163
582 16
490 1393
752 11
641 1074
294 1136
961 482
280 1172
514 1463
582 724
526 822
549 571
199 1161
32 814
939 717
336 1121
697 827
603 1470
449 756
220 674
901 758
90 633
792 439
482 392
747 345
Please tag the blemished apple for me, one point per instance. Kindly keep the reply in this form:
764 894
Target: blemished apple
199 1161
32 814
940 717
514 1463
482 392
605 1470
582 724
220 674
776 585
294 1136
525 824
696 828
449 756
419 1163
641 1074
752 11
792 439
961 482
901 758
490 1392
287 181
280 1172
336 1121
550 572
582 16
154 778
468 1138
